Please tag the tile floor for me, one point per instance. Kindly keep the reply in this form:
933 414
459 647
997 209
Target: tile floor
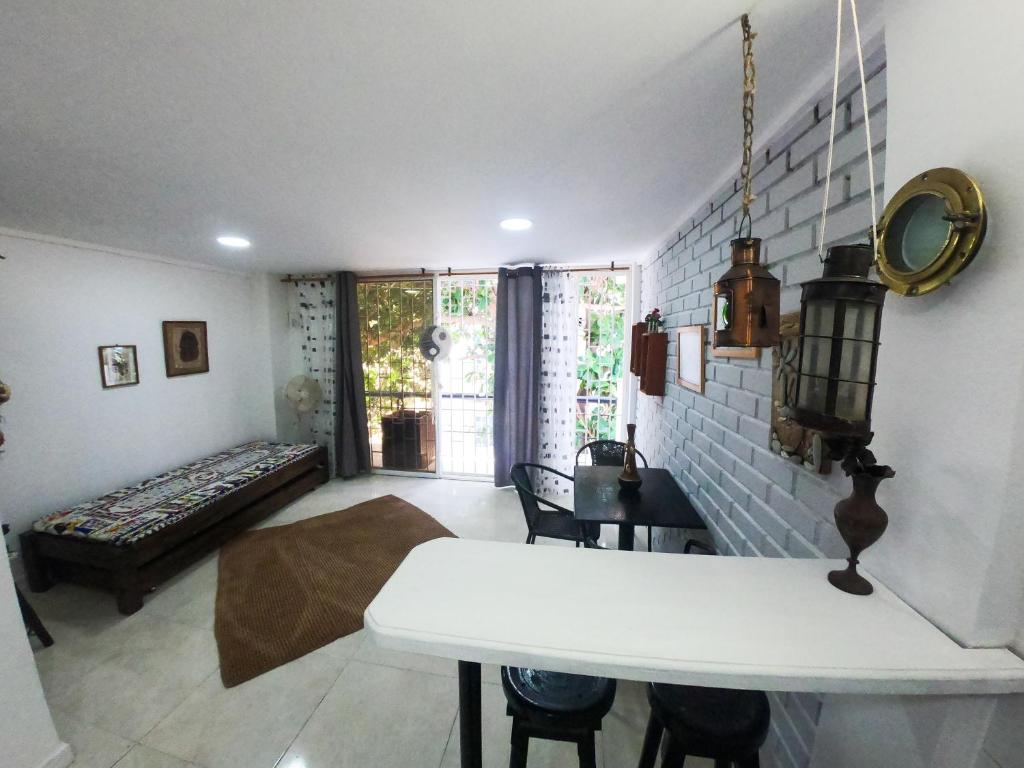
144 691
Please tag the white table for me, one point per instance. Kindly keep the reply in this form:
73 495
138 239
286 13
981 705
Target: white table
750 623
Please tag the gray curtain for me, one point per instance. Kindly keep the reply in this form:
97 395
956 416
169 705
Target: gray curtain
516 369
351 436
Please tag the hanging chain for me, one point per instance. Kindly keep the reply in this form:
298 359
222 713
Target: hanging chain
749 86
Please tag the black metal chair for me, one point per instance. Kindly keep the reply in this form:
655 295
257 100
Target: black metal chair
557 706
610 453
691 543
544 517
606 453
719 724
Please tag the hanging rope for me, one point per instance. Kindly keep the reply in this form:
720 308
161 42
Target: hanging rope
749 86
832 125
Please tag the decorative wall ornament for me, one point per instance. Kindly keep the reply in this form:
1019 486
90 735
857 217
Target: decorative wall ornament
119 366
185 350
435 343
789 439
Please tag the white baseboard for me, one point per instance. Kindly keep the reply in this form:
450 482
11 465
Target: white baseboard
61 757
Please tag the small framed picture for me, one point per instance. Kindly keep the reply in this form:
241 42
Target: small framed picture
119 366
690 357
185 349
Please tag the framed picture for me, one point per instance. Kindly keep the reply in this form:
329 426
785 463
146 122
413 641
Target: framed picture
690 357
119 366
185 349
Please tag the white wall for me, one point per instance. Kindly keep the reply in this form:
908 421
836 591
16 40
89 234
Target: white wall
27 735
949 409
69 440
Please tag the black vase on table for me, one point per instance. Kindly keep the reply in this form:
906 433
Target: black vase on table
629 478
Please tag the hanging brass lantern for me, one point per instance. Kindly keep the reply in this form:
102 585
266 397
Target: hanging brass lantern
747 300
747 295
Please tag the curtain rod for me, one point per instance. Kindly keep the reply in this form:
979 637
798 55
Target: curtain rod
300 278
424 273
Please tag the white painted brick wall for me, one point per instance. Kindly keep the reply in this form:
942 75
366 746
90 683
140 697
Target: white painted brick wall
754 502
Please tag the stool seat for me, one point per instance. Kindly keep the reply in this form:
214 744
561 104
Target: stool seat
539 692
555 705
715 720
724 725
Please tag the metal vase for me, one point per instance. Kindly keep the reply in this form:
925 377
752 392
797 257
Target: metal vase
861 523
629 478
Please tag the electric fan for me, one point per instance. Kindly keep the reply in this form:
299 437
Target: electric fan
304 393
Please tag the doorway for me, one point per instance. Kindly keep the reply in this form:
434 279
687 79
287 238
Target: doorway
398 379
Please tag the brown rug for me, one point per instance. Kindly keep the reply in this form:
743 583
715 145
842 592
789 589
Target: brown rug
288 590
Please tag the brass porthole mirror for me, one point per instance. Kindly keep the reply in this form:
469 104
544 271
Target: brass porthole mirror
930 230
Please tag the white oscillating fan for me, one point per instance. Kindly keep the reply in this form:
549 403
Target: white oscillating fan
304 393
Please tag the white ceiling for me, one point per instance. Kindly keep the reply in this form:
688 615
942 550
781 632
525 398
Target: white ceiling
383 134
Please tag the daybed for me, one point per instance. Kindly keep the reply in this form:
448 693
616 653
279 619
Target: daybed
132 539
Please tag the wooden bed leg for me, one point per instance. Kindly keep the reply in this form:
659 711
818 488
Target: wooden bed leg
35 568
129 600
129 590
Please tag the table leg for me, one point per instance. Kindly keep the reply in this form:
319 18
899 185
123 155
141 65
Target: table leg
626 533
470 738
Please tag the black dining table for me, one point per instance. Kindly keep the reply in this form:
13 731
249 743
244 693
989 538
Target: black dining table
659 501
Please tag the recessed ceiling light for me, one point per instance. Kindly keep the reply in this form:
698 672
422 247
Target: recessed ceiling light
516 225
233 241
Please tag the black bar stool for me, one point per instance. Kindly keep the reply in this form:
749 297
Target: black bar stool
723 725
555 705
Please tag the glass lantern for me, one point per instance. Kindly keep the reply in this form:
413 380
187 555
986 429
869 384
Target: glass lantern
840 321
746 300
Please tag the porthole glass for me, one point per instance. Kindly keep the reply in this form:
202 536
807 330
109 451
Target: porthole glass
918 233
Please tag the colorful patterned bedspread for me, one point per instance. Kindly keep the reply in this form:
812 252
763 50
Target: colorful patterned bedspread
127 515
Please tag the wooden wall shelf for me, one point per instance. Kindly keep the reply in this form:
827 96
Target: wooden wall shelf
638 331
653 361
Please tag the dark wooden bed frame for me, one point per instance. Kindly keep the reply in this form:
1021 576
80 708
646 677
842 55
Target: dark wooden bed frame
131 570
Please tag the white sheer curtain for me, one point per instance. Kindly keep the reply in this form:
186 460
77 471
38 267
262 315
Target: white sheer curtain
312 306
558 383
